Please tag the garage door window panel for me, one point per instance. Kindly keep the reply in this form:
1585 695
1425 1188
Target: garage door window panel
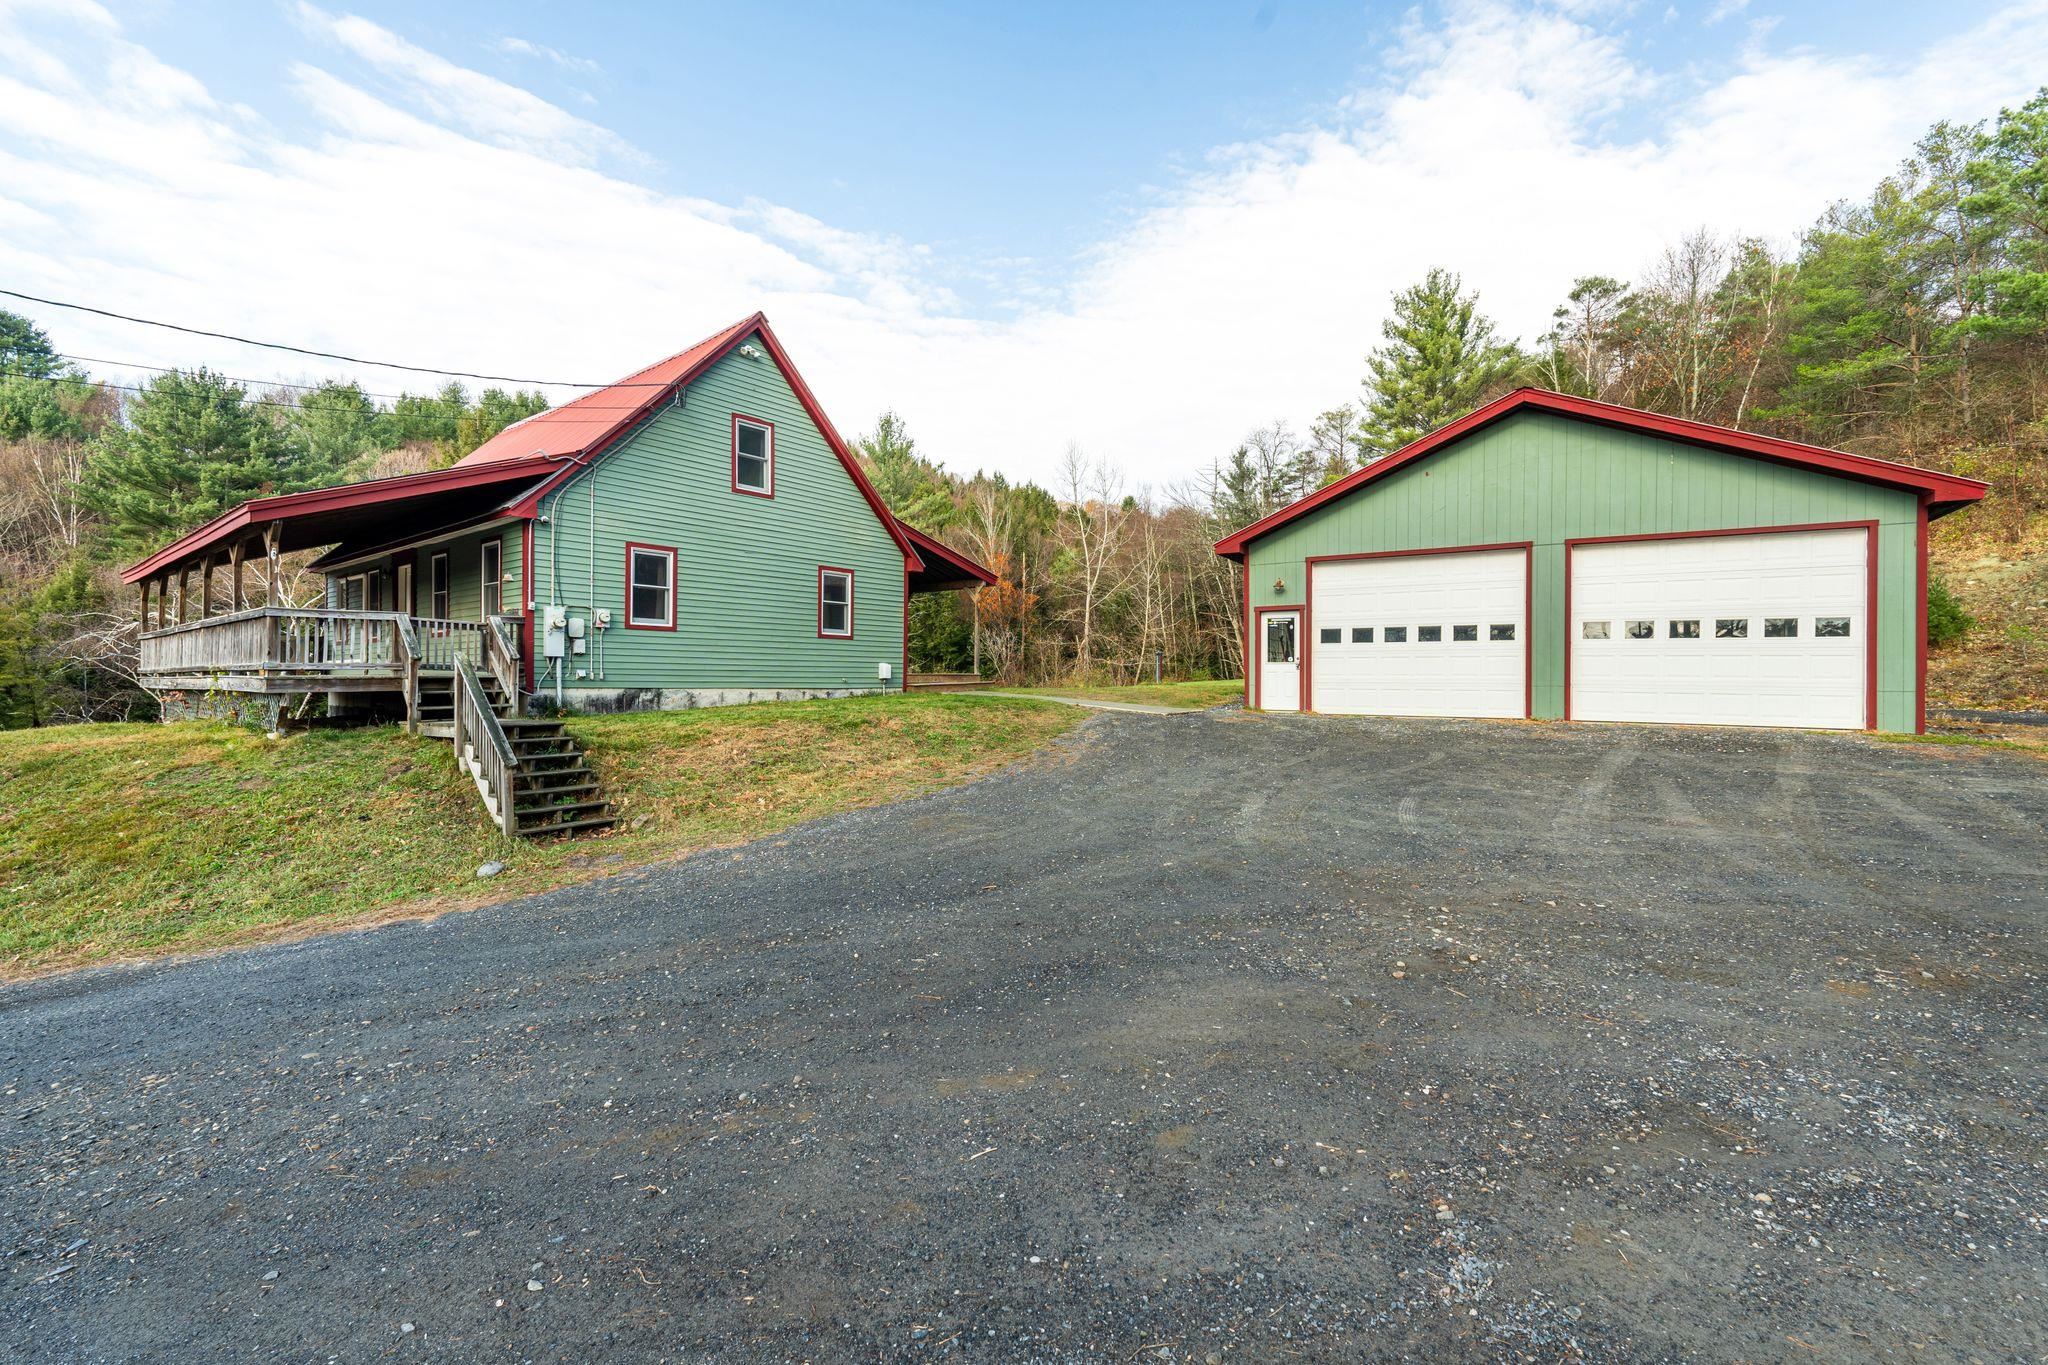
1429 635
1396 635
1781 628
1732 628
1465 633
1593 630
1361 635
1330 635
1831 628
1685 630
1500 633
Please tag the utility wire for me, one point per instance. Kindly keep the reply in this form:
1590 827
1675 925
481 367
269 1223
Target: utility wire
567 412
321 355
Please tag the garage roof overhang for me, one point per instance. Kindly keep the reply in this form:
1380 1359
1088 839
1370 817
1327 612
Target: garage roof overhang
377 509
1943 493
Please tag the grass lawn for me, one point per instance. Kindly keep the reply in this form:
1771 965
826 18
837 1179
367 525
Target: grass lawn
1192 695
119 840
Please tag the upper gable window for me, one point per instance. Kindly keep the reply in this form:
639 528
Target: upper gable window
753 456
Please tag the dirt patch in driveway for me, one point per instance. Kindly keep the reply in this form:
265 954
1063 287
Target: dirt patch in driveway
1492 1041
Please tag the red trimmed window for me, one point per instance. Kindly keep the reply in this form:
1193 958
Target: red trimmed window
650 587
835 603
753 456
491 578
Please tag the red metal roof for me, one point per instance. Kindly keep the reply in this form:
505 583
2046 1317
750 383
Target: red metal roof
322 516
581 423
1942 492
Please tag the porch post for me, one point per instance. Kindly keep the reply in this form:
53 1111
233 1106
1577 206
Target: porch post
142 621
178 594
270 565
236 597
206 587
163 597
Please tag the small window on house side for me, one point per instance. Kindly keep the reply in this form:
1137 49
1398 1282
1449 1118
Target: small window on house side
437 575
1831 627
1361 635
1330 635
835 602
753 457
1642 630
651 587
1731 628
1685 630
1781 627
1396 635
1506 632
1464 633
492 578
1593 630
1428 635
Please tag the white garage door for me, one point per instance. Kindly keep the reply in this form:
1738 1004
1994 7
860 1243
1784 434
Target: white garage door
1420 635
1722 630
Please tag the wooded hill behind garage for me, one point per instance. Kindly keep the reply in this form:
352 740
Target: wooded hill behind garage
1560 558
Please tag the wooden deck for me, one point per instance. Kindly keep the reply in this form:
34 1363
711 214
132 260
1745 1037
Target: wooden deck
293 649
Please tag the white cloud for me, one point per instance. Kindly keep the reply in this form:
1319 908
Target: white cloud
448 218
521 47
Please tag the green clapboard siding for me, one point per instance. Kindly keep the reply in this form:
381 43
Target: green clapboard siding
1548 479
747 567
465 575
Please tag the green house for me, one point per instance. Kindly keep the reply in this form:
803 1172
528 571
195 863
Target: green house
696 534
1552 557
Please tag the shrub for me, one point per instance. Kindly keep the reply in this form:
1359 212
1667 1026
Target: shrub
1947 622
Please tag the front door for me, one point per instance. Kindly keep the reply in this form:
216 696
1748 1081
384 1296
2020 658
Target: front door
1280 660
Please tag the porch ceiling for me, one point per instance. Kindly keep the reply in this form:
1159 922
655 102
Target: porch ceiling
373 512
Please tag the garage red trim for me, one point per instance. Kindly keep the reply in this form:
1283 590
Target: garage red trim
1920 626
1255 659
1528 549
1869 528
1943 492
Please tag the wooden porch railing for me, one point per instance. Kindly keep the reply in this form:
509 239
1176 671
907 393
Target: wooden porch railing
481 747
277 639
318 640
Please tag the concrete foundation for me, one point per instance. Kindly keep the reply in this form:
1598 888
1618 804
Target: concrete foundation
616 699
237 708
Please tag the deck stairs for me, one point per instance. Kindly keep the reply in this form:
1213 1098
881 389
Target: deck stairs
531 762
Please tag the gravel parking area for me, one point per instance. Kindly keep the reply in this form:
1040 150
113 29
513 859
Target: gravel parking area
1205 1037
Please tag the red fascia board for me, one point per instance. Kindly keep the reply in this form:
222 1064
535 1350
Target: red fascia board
925 544
286 505
1945 491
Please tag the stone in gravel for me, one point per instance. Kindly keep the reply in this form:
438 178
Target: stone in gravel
533 1286
490 869
269 1274
1445 1216
406 1328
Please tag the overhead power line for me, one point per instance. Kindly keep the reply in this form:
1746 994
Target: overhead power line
321 355
577 412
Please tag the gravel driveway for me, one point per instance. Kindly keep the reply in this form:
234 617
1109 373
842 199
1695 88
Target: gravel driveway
1206 1037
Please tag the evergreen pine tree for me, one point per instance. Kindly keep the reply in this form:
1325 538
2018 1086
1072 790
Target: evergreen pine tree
192 447
1440 359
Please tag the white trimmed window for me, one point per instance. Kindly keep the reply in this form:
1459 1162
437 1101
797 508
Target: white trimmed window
650 587
491 579
835 602
753 456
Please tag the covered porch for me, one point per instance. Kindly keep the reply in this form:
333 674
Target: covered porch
217 615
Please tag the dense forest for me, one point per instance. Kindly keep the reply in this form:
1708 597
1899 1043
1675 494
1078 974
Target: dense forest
1911 325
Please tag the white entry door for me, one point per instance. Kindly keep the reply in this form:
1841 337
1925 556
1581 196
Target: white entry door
1280 660
1421 635
1723 630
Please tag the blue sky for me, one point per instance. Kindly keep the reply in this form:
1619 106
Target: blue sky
1144 228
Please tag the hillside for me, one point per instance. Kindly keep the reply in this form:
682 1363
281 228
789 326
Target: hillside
121 840
2003 663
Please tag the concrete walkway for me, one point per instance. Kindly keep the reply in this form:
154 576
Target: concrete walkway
1135 708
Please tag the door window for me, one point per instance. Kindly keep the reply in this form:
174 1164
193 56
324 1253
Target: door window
1279 639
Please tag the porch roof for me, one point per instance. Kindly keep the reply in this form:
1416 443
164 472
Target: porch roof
373 511
941 566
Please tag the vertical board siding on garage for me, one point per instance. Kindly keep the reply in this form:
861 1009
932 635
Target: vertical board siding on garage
1548 479
746 567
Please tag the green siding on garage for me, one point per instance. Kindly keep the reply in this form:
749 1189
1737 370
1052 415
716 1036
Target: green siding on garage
1539 477
747 567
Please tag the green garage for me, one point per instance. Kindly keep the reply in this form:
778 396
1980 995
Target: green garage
1558 558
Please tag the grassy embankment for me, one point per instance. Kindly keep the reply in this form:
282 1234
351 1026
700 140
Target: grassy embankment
2002 665
1191 695
119 840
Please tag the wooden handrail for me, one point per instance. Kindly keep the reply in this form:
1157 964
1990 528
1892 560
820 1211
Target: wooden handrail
501 652
481 746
